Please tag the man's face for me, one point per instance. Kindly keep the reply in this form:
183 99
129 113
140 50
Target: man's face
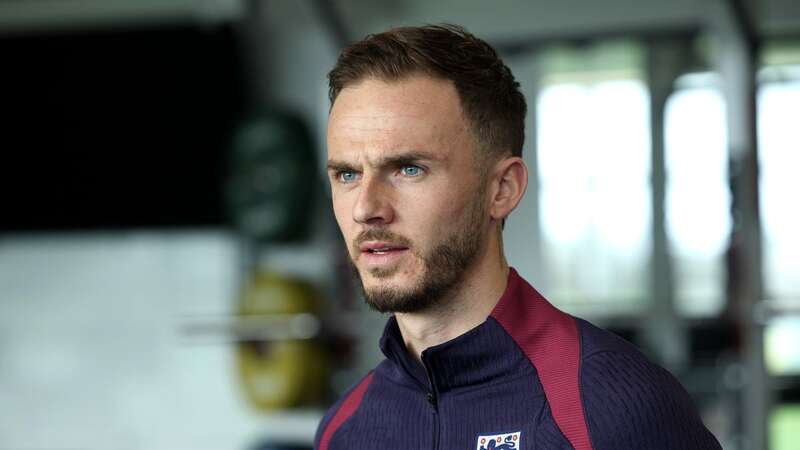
406 190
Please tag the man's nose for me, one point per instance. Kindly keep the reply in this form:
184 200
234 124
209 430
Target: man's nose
374 205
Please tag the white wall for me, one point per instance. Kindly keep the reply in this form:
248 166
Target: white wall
94 352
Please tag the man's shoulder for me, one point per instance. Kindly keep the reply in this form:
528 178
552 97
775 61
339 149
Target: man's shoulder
612 369
632 402
596 340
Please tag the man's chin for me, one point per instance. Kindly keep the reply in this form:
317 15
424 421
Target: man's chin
397 292
391 299
374 280
381 273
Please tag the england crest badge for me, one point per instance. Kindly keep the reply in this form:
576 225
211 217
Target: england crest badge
502 441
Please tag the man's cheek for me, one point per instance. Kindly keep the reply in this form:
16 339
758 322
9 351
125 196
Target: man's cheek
340 214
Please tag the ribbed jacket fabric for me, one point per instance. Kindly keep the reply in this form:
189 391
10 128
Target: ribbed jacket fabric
486 384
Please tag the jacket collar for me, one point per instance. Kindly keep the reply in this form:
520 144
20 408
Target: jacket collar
484 355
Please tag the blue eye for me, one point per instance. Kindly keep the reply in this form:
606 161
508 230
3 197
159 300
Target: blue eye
346 176
411 171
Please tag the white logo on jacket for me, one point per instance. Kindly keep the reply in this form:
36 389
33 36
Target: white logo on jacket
502 441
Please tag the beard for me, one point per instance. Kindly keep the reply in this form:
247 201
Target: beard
443 266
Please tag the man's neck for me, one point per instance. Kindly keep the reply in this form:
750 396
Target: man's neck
466 307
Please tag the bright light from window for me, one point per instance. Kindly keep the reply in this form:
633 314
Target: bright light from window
594 163
697 197
779 152
782 356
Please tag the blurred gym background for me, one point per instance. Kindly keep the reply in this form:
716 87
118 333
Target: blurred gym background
171 276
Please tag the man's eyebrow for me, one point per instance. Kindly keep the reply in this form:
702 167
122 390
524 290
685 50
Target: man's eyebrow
409 157
406 158
339 166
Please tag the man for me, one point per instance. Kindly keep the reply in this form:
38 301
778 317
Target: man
424 142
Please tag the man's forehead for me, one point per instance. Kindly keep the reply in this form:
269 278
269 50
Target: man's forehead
379 100
385 116
384 131
373 141
366 122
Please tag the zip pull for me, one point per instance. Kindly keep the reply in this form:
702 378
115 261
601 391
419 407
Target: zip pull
432 399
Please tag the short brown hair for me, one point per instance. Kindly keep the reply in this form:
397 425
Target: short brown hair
489 94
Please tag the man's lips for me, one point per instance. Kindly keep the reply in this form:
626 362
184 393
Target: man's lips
380 248
381 254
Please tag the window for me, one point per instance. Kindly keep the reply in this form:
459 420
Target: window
594 173
779 160
778 134
697 193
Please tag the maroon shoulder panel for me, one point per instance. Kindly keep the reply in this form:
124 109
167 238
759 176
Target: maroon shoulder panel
550 340
348 408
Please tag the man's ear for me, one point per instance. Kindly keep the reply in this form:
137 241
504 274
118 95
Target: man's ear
509 181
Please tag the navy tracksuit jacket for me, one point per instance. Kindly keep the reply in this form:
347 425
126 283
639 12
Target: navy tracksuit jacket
530 377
